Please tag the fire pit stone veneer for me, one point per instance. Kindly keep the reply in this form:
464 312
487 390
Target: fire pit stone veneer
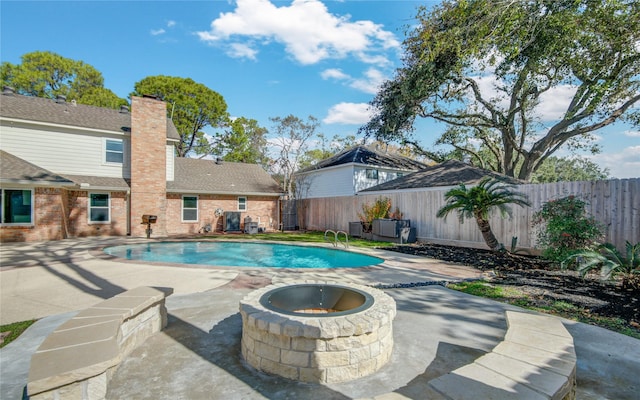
315 347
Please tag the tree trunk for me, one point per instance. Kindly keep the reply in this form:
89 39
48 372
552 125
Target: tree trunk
487 234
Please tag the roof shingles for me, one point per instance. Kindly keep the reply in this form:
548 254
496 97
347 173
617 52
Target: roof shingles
207 176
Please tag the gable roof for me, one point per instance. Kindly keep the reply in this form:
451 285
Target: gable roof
30 108
193 175
366 156
18 171
448 173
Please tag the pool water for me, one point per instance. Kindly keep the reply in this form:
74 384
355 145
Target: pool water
242 254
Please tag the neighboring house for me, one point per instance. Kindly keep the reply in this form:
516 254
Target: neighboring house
351 171
72 170
448 173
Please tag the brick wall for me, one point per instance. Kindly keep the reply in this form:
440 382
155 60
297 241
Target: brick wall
78 219
263 207
148 163
48 219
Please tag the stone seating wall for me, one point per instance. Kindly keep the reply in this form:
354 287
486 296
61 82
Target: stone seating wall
77 360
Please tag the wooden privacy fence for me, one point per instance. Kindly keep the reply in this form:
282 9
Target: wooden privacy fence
615 203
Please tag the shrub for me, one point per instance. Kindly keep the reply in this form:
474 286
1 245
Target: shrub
379 209
563 228
611 263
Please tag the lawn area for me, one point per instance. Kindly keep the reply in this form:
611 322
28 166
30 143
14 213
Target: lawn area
311 236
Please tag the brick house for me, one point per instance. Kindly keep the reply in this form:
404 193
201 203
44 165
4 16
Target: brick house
72 170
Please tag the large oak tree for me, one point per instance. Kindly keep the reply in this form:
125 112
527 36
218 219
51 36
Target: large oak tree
47 74
192 106
534 52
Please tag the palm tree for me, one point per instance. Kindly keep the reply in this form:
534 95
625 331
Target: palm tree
479 201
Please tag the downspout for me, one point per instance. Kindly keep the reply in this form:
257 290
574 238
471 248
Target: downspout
65 220
127 201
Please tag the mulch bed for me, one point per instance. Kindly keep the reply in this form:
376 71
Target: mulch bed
541 280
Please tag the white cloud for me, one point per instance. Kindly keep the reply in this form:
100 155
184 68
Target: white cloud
306 28
334 73
171 23
554 102
371 82
156 32
552 106
632 133
349 113
622 164
241 50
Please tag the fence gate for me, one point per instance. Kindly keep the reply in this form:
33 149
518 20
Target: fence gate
288 215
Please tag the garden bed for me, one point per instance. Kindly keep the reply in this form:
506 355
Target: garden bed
544 287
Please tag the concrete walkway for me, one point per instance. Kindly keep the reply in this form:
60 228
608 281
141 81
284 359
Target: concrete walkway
196 357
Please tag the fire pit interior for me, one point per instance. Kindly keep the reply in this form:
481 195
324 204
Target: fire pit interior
317 331
327 300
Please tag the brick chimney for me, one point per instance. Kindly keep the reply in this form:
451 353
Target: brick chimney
148 164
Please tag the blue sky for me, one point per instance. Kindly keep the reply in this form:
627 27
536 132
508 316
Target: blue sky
266 58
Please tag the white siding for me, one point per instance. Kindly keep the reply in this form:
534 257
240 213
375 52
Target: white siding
329 182
384 175
64 151
170 162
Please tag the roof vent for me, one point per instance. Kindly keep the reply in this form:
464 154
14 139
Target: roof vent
124 109
61 99
218 160
8 90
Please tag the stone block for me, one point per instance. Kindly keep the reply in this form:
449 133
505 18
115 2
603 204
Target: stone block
532 376
342 374
316 375
330 359
473 381
264 350
279 369
358 355
304 344
541 340
531 355
295 358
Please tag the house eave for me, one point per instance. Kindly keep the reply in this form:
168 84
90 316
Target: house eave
54 125
226 193
30 183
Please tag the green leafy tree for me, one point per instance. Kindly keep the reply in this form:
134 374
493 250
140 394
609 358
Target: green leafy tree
563 228
192 106
529 49
46 74
244 141
478 202
555 169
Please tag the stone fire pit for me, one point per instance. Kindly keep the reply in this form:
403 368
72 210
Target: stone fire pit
317 331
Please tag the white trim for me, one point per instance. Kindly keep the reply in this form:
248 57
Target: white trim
246 203
89 221
73 127
105 150
33 204
197 209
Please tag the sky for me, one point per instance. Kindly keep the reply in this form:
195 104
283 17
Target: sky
324 59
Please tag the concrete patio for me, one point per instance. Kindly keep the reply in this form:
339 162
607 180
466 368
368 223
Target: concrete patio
436 330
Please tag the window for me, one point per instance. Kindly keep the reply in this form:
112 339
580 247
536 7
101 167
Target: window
242 204
372 174
114 151
99 208
17 206
399 174
189 208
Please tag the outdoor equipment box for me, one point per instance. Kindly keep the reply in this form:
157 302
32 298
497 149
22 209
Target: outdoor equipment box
355 229
232 221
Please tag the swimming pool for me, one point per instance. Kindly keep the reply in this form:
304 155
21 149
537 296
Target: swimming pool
243 254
